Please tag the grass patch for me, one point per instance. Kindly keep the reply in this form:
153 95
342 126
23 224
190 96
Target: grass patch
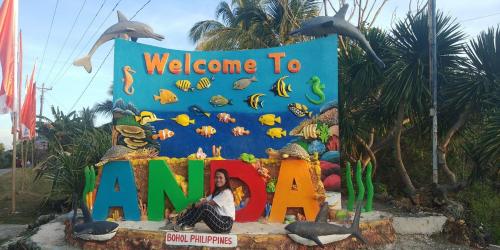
29 196
483 202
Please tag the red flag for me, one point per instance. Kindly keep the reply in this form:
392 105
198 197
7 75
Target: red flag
28 112
7 54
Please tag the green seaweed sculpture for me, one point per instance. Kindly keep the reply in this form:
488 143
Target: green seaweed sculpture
248 158
361 187
369 188
350 188
89 174
359 182
323 132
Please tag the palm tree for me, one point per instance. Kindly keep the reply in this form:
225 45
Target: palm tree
481 95
362 120
472 92
87 118
104 108
64 167
407 92
248 24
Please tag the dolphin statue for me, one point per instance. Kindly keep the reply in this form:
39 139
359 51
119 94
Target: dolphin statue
123 29
321 232
326 25
93 230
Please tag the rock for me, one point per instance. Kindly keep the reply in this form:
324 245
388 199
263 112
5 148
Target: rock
325 165
331 156
427 225
316 147
332 183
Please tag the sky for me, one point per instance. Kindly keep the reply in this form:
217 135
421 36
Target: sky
171 18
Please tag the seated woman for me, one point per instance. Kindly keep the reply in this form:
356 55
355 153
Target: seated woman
217 210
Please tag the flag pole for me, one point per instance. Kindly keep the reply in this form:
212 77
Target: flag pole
14 110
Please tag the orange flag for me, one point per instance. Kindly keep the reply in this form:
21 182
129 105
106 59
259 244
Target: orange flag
28 112
7 54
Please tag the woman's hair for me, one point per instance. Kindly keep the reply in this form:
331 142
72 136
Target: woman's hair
227 185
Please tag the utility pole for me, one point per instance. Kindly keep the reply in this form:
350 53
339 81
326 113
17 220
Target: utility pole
42 89
433 81
324 3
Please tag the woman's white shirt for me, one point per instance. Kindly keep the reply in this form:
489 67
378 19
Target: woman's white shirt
225 203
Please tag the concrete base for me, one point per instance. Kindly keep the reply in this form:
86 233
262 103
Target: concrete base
375 227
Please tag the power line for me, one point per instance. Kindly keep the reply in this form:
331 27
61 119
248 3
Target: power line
103 61
98 28
140 9
58 75
47 41
91 80
90 40
480 17
66 40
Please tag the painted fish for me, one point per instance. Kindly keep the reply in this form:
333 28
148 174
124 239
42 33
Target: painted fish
206 131
317 88
184 85
128 79
183 120
299 110
198 110
240 131
204 83
146 117
309 131
225 118
254 102
276 132
243 83
166 96
269 119
280 88
219 101
163 134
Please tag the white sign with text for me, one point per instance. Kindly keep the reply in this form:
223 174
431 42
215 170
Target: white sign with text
201 239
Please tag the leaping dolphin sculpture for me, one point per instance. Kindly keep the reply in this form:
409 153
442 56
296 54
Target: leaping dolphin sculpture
326 25
321 232
124 29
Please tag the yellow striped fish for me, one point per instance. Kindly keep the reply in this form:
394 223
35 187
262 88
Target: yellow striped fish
184 85
280 88
204 83
254 102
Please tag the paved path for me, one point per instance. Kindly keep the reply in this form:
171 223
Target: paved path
4 170
8 231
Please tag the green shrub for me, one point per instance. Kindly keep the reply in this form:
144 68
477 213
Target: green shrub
483 203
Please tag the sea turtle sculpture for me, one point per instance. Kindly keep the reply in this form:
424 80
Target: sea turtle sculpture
294 150
117 152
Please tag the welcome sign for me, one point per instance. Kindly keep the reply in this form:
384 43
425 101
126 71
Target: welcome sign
245 101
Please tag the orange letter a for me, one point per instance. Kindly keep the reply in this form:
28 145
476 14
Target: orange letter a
301 196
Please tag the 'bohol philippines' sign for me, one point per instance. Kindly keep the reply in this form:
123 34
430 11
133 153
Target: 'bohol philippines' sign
245 101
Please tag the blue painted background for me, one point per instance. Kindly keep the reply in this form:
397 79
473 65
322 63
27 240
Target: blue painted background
317 57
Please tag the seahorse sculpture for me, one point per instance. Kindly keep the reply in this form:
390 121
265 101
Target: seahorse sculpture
128 80
317 88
